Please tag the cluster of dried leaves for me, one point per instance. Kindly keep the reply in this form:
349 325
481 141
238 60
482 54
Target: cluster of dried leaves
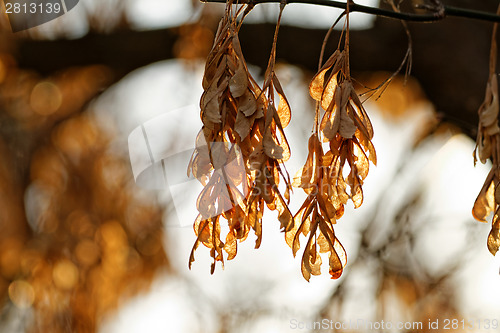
242 165
241 148
346 131
488 146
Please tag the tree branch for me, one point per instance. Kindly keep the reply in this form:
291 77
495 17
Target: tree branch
437 11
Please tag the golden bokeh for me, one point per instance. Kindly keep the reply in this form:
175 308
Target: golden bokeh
21 293
149 244
195 42
401 95
87 252
65 274
10 253
82 245
70 250
46 98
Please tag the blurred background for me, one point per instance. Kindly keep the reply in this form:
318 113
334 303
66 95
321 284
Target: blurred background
86 248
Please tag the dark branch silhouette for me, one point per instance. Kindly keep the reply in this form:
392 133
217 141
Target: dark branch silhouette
437 11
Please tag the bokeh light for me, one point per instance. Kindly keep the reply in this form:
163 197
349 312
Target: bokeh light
21 293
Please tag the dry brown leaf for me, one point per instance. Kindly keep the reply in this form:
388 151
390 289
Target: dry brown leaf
485 201
284 112
231 246
331 119
247 104
316 86
494 236
338 260
271 148
239 81
242 125
347 127
488 111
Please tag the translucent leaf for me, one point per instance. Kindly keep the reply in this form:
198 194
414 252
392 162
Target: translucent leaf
316 86
360 112
219 153
306 264
329 92
283 143
231 246
485 201
304 177
315 263
290 235
284 112
362 164
284 215
494 236
311 262
200 165
324 246
306 271
302 218
205 203
330 123
321 199
254 219
357 195
191 255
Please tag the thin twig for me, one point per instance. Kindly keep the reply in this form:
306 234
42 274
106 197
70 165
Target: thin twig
435 14
380 89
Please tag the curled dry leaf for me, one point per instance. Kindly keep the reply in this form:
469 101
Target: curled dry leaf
485 201
488 121
238 83
494 235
